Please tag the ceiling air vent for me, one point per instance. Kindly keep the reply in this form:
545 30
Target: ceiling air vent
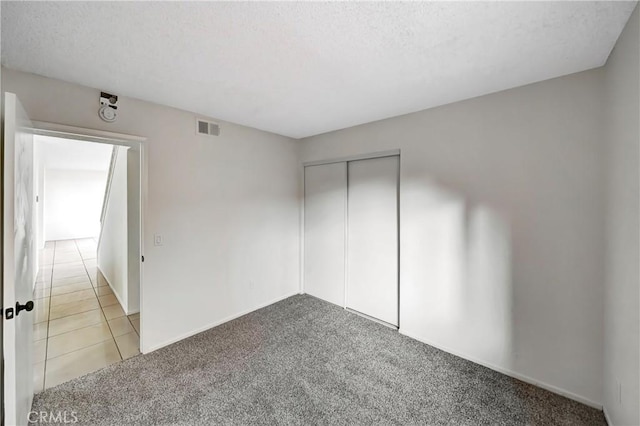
207 128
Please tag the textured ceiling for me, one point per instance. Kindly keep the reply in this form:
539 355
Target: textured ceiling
67 154
300 69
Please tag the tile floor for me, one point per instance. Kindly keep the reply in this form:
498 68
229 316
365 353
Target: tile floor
79 326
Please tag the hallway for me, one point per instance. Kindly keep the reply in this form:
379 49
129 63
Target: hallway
79 326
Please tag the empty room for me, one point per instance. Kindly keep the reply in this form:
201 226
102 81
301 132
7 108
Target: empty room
322 213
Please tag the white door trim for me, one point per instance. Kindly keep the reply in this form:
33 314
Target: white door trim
390 153
44 128
71 132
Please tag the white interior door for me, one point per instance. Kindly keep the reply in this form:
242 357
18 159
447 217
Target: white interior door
372 253
325 192
18 261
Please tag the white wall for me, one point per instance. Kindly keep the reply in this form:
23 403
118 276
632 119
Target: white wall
114 241
501 227
227 207
72 203
622 298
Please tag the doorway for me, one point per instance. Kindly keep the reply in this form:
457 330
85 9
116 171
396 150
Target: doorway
21 266
87 287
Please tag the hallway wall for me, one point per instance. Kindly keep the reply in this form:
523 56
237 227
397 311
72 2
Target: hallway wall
72 203
71 178
113 244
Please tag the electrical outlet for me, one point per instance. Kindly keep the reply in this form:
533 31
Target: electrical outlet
157 240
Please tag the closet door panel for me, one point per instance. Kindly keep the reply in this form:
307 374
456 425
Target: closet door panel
372 246
324 231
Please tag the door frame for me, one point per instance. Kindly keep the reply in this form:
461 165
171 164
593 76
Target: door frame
42 128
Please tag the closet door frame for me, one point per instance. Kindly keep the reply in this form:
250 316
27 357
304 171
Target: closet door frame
347 159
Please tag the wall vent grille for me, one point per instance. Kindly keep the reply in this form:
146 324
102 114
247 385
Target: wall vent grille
204 127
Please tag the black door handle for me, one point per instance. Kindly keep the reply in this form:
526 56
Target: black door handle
26 307
9 312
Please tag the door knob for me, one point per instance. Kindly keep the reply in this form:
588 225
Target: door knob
9 313
26 307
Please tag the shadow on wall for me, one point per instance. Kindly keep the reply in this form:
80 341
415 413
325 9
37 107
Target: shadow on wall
461 295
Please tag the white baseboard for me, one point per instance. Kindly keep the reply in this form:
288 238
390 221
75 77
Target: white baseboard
511 373
606 416
115 293
216 323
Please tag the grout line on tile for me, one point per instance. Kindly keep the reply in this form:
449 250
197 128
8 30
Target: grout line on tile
81 349
76 313
101 307
76 329
46 346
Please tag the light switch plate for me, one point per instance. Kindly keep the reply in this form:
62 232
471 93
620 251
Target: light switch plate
157 240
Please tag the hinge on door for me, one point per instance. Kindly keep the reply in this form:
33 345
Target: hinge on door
142 259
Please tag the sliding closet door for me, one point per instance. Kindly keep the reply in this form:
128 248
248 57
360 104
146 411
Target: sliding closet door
325 194
372 247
